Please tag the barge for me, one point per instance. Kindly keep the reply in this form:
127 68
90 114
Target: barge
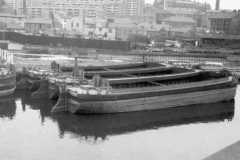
162 74
35 74
34 77
103 98
7 81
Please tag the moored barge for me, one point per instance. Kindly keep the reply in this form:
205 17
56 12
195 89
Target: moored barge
34 77
35 74
102 98
7 81
162 74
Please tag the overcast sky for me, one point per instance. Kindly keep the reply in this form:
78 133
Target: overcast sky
224 4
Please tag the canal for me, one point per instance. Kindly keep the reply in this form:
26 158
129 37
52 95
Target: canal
29 131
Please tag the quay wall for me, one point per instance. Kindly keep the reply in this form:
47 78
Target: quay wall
132 57
65 42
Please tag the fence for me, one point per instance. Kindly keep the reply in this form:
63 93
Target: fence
65 42
6 56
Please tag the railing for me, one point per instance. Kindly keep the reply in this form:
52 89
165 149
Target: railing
6 56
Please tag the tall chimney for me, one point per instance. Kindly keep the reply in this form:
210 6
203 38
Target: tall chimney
0 5
24 7
164 4
217 5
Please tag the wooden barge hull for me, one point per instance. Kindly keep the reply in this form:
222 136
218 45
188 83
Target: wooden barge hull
53 91
7 85
152 103
33 84
34 80
163 99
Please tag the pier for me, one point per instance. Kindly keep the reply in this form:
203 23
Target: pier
6 57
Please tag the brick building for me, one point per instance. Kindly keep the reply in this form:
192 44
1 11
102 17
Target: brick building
190 14
226 22
178 22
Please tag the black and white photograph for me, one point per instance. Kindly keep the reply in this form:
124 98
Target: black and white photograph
119 79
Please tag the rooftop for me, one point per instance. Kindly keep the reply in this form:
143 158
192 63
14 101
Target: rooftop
191 12
44 21
119 25
218 36
179 19
122 20
14 26
224 15
186 2
39 21
183 30
153 26
11 15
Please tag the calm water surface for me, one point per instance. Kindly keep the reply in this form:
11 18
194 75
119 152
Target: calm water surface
29 131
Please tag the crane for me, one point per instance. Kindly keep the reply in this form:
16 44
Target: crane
53 23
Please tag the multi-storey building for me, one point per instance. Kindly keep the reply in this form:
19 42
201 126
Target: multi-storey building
133 7
226 22
182 4
88 8
205 18
179 22
19 19
188 15
21 6
35 26
114 7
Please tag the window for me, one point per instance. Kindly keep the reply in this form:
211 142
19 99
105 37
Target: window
110 30
77 25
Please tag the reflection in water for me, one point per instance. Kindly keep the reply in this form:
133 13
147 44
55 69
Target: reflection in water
7 108
8 105
97 128
102 126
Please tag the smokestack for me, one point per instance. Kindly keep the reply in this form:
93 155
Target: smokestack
217 5
24 7
1 5
164 4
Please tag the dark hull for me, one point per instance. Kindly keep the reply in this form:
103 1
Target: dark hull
7 85
153 98
33 84
53 91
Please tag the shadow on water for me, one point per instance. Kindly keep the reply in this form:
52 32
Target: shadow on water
8 105
97 128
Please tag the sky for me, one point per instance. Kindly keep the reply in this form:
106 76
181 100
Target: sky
224 4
